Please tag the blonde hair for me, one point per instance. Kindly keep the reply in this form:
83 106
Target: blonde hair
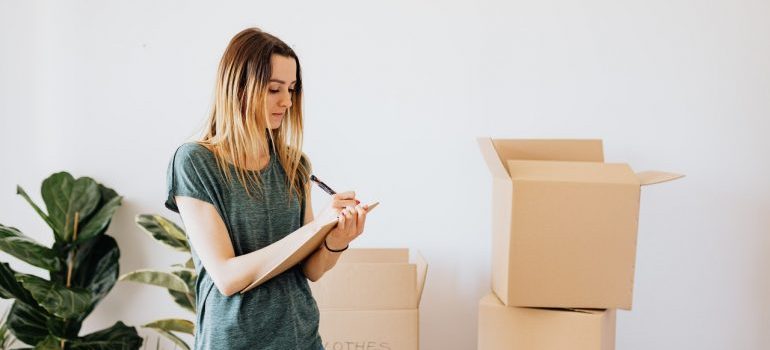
238 123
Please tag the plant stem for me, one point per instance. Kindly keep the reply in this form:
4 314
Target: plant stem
73 252
71 260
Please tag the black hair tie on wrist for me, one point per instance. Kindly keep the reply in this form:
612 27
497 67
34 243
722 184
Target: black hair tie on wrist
335 250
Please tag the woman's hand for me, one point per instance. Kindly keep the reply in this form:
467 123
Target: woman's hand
352 217
340 201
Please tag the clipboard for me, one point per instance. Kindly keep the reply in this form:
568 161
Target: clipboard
292 249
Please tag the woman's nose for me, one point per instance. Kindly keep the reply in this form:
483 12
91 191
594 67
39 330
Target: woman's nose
285 100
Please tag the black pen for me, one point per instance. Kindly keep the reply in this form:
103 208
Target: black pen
322 185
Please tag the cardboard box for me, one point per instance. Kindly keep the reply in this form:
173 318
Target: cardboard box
370 300
514 328
370 329
564 223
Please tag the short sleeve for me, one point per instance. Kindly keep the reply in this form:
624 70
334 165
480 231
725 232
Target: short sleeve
187 175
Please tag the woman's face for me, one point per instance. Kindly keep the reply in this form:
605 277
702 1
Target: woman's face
280 88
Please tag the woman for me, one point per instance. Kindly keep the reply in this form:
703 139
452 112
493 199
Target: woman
243 186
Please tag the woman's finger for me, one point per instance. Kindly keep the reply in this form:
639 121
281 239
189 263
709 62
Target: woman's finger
341 221
345 195
351 219
361 219
343 203
346 227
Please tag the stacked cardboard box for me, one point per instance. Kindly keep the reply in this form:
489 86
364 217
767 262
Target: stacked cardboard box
564 226
370 300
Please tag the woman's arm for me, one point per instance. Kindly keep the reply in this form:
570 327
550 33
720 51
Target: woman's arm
351 225
208 236
322 259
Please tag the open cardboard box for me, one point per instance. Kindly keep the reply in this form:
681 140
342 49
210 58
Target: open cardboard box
564 223
371 299
512 328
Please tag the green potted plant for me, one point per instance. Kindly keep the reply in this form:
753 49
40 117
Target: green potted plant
6 337
179 280
82 266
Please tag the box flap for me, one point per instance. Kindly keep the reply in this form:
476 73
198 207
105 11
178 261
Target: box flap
570 309
372 279
494 163
492 300
652 177
422 272
550 149
367 286
560 171
375 255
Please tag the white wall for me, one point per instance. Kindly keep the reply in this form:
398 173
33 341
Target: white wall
396 91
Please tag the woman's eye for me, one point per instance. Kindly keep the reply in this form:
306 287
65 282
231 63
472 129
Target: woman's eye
291 91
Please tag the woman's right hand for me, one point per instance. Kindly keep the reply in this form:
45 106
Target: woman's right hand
350 226
351 215
340 201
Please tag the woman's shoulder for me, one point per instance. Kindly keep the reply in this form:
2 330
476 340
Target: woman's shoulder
193 155
192 147
194 150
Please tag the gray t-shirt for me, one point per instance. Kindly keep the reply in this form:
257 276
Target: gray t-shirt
279 314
